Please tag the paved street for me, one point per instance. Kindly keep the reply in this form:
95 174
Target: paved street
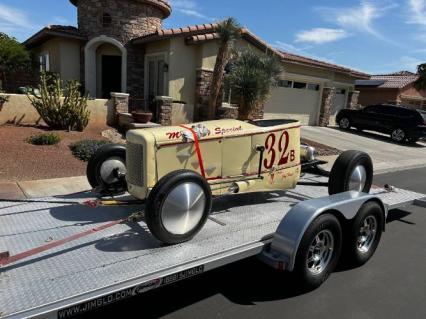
391 285
387 156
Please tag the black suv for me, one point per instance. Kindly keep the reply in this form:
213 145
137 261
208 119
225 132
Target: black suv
403 124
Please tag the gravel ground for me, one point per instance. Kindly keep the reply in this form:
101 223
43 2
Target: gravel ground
323 150
21 161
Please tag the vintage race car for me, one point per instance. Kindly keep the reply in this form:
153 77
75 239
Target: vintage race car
179 169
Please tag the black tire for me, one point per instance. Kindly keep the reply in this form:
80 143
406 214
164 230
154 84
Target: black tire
345 123
398 135
356 251
344 167
93 171
156 202
303 268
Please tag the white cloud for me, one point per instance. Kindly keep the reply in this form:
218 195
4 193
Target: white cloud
360 18
417 10
321 35
12 19
190 8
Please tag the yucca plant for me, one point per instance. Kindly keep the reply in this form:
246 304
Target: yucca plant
60 109
251 79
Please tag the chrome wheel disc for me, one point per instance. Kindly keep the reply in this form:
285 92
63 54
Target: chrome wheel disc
320 252
357 179
398 135
183 208
367 234
344 123
110 168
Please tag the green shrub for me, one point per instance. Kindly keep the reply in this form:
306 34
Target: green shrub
85 149
44 139
61 109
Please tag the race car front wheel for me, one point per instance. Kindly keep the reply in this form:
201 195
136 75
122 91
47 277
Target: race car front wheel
178 206
352 171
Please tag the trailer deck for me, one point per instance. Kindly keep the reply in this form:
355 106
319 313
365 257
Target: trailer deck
126 260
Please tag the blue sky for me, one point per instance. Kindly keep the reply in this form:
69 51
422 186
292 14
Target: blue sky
379 36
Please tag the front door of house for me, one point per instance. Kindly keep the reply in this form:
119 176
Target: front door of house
111 75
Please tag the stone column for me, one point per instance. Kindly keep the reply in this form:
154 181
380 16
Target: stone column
164 106
202 94
120 104
353 100
326 104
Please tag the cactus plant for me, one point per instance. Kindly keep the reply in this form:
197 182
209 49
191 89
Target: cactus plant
60 109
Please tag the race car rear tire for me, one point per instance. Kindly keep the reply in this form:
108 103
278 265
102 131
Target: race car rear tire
103 167
353 170
178 206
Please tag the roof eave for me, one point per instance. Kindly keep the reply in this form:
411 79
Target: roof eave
46 34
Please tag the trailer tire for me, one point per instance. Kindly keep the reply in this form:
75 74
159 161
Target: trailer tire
97 166
315 261
365 233
353 170
178 206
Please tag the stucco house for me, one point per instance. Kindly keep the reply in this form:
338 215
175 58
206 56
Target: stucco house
395 88
120 46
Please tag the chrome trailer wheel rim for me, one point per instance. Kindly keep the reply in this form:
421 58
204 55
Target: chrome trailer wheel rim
367 234
344 123
183 208
398 135
358 179
320 252
111 169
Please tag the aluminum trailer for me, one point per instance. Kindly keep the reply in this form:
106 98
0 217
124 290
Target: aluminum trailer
125 261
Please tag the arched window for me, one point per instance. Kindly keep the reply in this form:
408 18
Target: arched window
106 20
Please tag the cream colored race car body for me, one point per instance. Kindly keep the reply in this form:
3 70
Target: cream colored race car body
226 152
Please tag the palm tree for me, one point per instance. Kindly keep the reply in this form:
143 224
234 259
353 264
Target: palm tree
252 77
229 31
420 84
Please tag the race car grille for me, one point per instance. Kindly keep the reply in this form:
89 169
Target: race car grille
134 159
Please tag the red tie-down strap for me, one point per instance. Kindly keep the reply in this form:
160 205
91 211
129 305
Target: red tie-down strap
197 149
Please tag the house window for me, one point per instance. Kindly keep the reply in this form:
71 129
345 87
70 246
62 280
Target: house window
106 20
285 83
44 62
340 91
299 85
313 87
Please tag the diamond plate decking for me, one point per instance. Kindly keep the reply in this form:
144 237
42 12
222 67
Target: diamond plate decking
127 251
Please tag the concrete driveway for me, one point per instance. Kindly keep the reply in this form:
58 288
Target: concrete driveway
387 156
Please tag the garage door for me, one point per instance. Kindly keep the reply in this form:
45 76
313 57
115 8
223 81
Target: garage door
339 103
294 103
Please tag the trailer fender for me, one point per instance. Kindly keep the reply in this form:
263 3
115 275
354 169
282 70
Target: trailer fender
286 240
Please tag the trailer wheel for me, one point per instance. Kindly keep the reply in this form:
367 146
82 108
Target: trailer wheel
365 234
107 169
178 206
319 251
353 170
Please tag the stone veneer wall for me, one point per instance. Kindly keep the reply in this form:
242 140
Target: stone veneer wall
120 104
326 104
130 19
164 106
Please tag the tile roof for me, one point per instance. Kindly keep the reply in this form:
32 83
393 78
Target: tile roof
205 32
52 31
395 81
